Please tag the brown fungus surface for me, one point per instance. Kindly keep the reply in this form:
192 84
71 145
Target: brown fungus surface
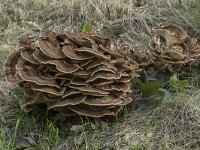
172 47
72 73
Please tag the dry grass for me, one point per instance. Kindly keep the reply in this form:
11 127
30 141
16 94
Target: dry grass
145 124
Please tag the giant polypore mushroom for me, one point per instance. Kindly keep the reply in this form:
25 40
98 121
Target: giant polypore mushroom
72 73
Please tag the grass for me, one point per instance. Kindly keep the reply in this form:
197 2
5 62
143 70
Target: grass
173 123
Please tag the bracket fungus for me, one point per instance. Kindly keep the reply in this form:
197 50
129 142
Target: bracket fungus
72 73
172 47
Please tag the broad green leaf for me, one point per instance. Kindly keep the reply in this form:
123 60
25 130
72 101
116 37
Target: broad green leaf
181 85
86 27
173 79
162 94
165 93
139 82
149 87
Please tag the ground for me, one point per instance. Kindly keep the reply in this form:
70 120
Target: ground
172 123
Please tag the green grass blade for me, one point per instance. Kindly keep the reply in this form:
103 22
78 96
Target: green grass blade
16 130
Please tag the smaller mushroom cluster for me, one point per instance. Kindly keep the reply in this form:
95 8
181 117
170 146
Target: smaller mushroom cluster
72 73
172 47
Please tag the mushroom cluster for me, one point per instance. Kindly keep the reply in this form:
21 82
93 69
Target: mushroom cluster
72 73
172 47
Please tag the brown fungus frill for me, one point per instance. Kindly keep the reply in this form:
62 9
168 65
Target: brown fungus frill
172 47
73 73
141 57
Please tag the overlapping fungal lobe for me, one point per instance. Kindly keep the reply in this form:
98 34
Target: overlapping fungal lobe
73 73
142 58
172 47
137 57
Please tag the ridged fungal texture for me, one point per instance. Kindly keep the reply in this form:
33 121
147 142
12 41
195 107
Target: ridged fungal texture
72 73
172 47
141 58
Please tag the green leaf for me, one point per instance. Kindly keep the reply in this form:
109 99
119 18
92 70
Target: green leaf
86 27
149 87
164 93
139 82
180 86
173 79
